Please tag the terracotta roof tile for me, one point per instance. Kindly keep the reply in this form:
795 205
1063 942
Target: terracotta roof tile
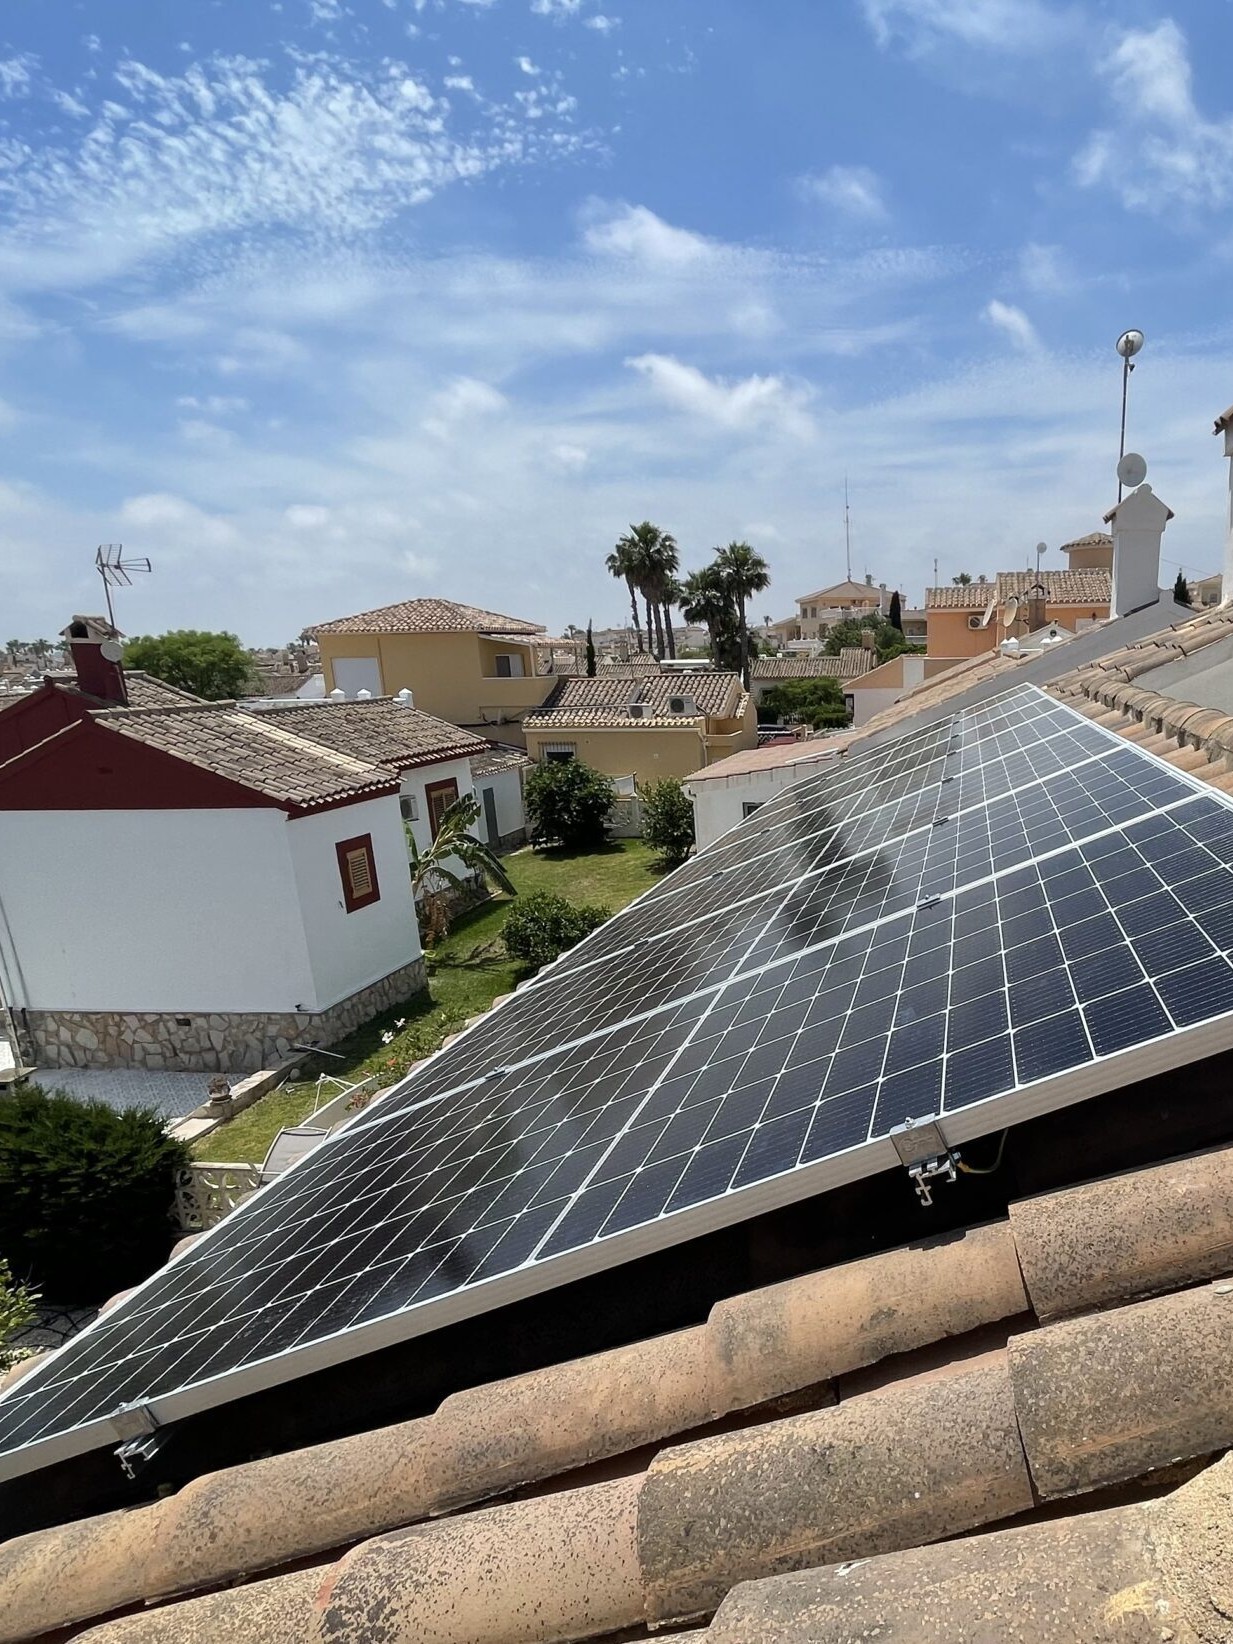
1094 539
378 732
497 760
1093 587
852 661
144 691
430 616
250 749
847 591
606 700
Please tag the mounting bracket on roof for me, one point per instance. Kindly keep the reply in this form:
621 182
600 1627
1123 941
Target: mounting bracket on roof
142 1435
922 1149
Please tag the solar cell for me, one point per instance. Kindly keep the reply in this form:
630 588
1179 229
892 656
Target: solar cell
973 925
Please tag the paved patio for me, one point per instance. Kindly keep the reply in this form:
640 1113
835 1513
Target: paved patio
172 1094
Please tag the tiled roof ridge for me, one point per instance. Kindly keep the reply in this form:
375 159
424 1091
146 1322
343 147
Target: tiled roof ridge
1067 1408
428 615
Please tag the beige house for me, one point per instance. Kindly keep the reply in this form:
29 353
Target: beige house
666 724
466 665
817 613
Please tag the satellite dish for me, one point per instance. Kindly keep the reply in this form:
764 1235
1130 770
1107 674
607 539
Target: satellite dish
111 650
1132 470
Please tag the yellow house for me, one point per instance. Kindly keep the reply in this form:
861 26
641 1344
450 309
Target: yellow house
647 727
468 666
967 619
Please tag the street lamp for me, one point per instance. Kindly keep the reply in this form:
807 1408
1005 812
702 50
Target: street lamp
1128 345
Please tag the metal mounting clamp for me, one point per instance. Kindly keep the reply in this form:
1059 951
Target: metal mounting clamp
923 1151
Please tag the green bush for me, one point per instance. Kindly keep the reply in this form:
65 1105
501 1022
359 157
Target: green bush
815 702
668 820
543 925
568 804
17 1310
86 1194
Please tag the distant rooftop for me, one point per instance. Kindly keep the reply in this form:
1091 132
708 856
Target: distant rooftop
431 616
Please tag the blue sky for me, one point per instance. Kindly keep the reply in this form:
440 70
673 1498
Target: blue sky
327 303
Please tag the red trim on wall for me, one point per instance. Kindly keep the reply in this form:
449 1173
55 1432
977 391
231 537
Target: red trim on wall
447 790
87 768
357 868
29 720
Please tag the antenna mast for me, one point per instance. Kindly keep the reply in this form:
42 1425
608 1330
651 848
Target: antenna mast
847 528
116 572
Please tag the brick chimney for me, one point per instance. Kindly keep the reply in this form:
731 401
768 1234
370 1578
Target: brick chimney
97 675
1224 425
1138 524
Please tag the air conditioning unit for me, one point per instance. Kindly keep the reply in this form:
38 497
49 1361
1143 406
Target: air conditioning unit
637 710
974 621
410 810
681 705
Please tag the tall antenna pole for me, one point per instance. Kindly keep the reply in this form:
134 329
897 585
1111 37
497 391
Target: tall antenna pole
1128 345
847 528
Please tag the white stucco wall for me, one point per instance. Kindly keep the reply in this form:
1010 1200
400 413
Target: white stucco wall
347 951
506 787
719 801
871 701
175 911
416 781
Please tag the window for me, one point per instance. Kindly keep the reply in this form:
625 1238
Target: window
358 871
559 753
749 806
509 665
440 796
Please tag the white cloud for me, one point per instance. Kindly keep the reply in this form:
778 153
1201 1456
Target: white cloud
1161 153
854 190
231 145
526 65
1044 270
1012 322
200 432
179 522
569 456
216 405
558 9
634 231
1003 26
15 77
742 404
306 516
464 400
601 23
458 82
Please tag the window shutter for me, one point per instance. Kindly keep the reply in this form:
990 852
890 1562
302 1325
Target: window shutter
360 870
357 868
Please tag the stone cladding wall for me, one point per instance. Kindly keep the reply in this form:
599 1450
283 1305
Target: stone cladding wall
221 1042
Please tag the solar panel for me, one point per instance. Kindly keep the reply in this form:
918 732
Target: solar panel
983 922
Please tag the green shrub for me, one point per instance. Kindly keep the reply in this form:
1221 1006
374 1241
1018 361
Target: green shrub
668 820
568 804
542 926
17 1310
815 702
86 1193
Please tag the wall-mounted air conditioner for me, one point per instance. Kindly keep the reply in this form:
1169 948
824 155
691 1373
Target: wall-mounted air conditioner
974 621
637 710
410 810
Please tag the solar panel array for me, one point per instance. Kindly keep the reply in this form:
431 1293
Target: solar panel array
996 900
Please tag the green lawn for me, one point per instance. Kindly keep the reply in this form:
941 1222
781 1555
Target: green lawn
466 973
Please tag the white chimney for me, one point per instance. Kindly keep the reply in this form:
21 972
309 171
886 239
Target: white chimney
1224 425
1137 524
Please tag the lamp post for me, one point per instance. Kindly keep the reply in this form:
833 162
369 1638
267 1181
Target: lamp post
1128 345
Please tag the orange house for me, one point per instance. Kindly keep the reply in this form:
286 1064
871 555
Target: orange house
968 619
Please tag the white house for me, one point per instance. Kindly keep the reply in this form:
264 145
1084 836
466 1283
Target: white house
192 886
728 791
498 775
868 694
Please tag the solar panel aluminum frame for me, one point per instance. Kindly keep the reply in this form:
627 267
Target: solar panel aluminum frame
1077 1084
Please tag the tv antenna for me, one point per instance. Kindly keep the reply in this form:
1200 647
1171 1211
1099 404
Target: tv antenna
847 528
1128 345
116 572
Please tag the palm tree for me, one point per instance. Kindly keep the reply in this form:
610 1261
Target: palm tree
745 573
653 559
620 563
706 598
14 647
964 579
430 878
673 593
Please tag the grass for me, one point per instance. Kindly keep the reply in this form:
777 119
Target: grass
467 972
